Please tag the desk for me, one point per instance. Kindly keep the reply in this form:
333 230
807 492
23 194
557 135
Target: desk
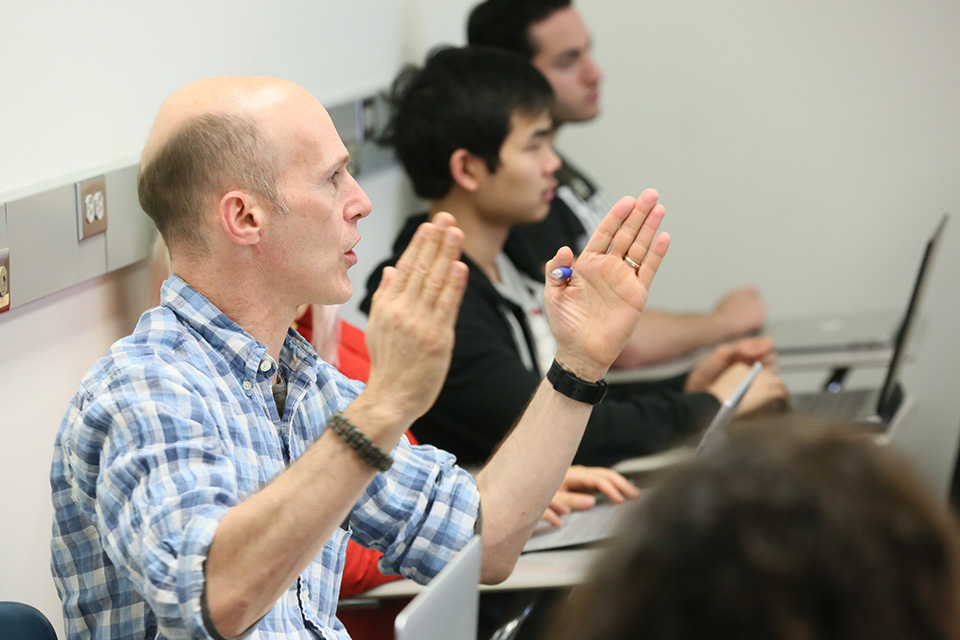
539 570
825 360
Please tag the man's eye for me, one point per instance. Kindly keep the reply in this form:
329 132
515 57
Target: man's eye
567 62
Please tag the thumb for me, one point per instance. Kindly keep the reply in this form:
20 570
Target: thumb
563 260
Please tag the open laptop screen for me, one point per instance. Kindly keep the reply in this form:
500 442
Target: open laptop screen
888 400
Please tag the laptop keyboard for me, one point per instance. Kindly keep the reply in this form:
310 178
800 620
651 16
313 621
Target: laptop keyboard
843 405
579 527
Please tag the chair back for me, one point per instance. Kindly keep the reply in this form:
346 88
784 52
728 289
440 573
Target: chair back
20 621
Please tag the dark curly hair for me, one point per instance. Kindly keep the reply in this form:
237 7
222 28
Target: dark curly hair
781 536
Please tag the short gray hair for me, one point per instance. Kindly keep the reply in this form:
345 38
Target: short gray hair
208 155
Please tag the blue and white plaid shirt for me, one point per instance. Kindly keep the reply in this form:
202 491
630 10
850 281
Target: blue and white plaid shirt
175 425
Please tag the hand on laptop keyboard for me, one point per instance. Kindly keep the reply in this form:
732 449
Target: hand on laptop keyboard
579 485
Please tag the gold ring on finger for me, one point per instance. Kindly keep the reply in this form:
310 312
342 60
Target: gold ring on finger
631 262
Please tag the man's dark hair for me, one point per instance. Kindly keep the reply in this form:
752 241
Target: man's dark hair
208 155
819 535
462 98
505 23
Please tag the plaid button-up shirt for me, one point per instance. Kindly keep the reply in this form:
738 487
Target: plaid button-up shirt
174 426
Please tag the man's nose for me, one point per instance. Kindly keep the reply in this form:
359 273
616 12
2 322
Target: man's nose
358 204
591 71
553 162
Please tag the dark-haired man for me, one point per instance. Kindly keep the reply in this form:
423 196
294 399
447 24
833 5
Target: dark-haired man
210 469
552 35
473 130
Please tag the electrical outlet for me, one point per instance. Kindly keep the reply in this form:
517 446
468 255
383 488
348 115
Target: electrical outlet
4 279
91 207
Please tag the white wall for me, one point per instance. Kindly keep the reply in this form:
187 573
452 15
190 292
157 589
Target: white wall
805 147
808 148
81 83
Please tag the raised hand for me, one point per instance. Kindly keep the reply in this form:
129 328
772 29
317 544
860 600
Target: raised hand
595 311
411 329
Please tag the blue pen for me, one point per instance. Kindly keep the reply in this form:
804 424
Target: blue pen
563 273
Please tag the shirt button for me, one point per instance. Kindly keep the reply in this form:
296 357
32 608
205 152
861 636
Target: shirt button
247 385
265 366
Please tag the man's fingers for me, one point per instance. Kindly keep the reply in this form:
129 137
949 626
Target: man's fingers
617 488
410 255
451 242
423 262
559 503
552 518
644 240
755 348
626 235
600 240
608 489
624 486
651 263
448 300
563 258
415 262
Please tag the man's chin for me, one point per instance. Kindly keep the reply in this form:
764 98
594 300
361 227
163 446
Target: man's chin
585 114
588 114
340 295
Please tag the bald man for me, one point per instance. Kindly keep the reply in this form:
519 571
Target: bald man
210 469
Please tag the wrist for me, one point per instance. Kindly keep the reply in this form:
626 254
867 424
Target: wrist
382 420
575 388
584 368
727 323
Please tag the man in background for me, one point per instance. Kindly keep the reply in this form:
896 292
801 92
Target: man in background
552 35
473 131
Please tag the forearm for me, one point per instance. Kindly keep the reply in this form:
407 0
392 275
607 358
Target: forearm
628 424
663 336
521 478
266 541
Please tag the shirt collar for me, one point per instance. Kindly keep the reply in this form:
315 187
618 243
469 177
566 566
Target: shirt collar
245 354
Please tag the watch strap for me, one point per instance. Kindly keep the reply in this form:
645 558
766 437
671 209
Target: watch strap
576 388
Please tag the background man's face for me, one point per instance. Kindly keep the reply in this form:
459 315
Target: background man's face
563 56
521 188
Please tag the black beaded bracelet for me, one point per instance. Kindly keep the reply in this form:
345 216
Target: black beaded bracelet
359 442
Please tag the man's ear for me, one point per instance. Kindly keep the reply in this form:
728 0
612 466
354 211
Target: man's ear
241 217
467 170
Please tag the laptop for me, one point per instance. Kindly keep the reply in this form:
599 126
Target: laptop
859 331
600 522
864 331
448 608
878 405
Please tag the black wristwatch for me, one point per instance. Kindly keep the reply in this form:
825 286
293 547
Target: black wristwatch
574 387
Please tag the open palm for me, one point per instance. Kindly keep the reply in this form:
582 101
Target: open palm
593 314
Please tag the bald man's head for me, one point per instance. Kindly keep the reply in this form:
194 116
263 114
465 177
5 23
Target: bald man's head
210 137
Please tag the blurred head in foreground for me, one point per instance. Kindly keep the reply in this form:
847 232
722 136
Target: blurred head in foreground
787 535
